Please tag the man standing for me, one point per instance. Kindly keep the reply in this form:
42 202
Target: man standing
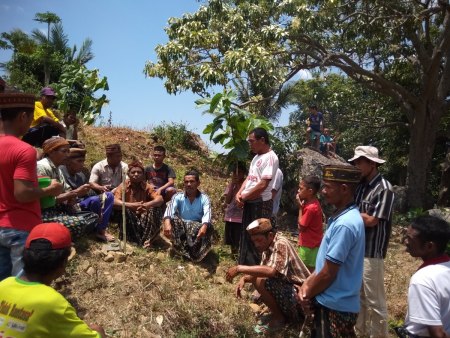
107 174
187 220
19 191
160 175
277 278
429 289
45 124
255 194
375 198
333 290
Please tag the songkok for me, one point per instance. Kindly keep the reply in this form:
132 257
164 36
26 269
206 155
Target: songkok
341 173
55 233
369 152
112 149
53 143
77 153
16 100
135 164
259 226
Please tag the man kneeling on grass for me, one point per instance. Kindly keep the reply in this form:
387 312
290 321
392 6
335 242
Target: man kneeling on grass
29 306
276 279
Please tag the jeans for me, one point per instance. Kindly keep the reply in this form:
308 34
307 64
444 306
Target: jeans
12 243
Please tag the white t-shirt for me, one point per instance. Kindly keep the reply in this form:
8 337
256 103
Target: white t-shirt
429 299
277 185
263 167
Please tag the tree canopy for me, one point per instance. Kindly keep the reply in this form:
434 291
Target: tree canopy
397 49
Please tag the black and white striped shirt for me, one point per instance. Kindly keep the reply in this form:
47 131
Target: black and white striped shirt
376 199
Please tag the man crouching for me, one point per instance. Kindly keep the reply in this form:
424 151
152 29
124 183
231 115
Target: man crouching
281 270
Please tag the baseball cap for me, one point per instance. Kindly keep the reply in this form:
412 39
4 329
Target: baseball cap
47 91
56 233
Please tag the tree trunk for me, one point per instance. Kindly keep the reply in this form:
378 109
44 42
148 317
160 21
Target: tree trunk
421 146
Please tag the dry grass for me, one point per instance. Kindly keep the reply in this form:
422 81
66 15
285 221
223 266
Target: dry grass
154 295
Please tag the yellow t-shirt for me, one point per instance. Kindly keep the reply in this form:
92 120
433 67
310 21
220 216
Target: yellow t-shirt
35 310
39 112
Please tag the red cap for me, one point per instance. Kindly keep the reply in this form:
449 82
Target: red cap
56 233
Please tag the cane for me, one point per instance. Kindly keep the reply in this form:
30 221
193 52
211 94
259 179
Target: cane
124 220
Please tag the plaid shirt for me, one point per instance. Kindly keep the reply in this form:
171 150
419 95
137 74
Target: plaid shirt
282 256
376 199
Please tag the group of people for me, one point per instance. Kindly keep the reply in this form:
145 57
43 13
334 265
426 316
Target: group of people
336 278
317 136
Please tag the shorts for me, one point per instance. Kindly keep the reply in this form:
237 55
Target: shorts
308 255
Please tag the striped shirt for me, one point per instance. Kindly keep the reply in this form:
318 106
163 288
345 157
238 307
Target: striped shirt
376 199
282 256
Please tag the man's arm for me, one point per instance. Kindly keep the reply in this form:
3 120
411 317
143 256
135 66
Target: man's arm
206 219
25 191
254 271
437 332
369 221
256 191
317 283
238 197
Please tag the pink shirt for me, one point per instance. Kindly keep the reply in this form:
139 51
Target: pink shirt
233 213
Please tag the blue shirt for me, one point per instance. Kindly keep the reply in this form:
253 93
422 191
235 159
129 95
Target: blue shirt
199 210
343 244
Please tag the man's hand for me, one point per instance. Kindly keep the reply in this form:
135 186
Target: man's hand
239 287
239 201
167 228
83 190
202 231
159 191
299 200
54 189
231 273
304 302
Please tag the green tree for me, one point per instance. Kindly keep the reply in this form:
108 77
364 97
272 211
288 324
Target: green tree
397 49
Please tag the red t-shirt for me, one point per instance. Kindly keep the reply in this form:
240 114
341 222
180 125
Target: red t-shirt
312 222
17 162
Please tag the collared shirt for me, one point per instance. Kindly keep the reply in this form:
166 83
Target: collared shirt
343 244
283 257
76 180
46 167
39 112
376 199
199 210
136 193
102 173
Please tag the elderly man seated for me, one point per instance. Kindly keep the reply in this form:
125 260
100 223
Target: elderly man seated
187 220
102 204
277 278
142 206
66 211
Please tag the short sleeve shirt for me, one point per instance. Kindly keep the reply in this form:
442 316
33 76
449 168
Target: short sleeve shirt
429 299
283 257
46 167
103 174
315 121
263 167
159 177
343 244
39 112
18 162
278 187
36 310
311 221
376 198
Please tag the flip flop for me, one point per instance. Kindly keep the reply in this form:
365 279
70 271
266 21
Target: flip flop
266 329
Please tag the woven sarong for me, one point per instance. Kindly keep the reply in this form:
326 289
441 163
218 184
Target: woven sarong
78 222
184 239
141 227
333 324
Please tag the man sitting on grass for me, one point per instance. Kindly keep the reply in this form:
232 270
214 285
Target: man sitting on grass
29 306
276 279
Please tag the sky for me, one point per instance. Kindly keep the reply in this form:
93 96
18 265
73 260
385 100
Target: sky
124 34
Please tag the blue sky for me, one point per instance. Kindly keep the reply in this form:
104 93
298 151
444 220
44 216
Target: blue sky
124 34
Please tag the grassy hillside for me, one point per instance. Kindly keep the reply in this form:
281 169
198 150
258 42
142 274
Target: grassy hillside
150 293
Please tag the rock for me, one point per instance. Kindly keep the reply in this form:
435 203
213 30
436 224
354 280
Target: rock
120 257
98 253
91 271
109 258
255 307
84 265
159 320
443 213
160 256
219 280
